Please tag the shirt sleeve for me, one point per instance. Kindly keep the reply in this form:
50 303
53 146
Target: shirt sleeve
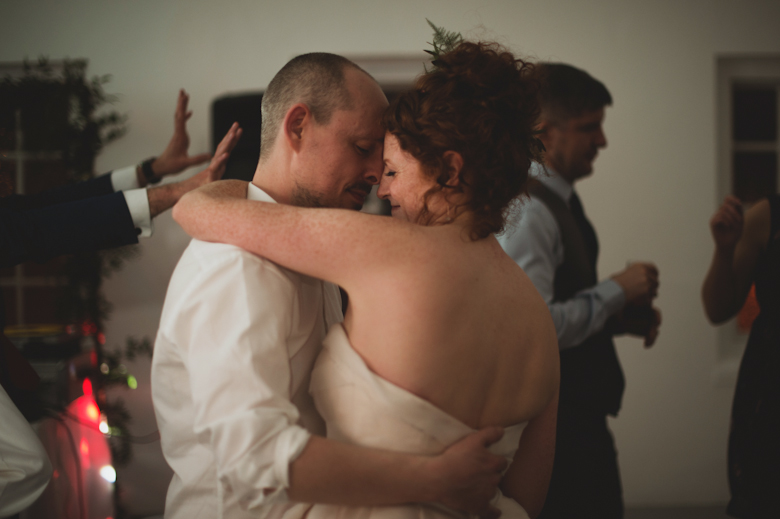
126 180
25 469
234 326
95 223
138 205
535 244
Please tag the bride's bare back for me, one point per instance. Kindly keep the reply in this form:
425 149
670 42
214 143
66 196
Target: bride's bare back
459 324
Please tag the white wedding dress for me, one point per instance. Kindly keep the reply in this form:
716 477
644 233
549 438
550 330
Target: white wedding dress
361 408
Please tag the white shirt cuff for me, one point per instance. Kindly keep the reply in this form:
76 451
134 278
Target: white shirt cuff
124 179
612 295
138 204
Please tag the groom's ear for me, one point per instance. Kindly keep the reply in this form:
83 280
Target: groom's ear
454 163
296 120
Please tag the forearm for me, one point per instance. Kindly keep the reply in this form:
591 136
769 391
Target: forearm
720 292
332 472
586 313
162 198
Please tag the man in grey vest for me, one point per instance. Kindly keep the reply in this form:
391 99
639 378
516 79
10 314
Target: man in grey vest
557 247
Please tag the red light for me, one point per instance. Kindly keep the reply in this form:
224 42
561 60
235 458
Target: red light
101 338
86 387
93 357
88 328
84 447
93 413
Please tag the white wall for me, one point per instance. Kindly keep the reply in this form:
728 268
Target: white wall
650 197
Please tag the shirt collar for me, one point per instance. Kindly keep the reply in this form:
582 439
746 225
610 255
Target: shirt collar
552 180
257 194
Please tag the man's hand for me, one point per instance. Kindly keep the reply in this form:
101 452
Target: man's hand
639 320
467 474
175 159
639 281
164 197
217 166
727 223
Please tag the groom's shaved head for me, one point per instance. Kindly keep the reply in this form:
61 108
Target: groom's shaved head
317 80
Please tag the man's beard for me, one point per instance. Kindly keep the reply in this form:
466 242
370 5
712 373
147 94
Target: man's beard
304 197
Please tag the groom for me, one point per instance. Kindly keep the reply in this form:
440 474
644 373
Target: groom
238 336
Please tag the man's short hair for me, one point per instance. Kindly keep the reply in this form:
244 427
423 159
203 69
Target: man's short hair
315 79
568 92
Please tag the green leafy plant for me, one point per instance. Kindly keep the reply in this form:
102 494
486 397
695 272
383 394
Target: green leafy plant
443 41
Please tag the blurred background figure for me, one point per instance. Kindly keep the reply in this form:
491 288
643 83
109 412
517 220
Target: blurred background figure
747 253
557 247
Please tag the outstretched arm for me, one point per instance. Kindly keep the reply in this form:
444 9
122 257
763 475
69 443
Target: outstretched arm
739 239
323 243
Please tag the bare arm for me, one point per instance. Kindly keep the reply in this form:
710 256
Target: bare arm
528 477
464 477
322 243
739 239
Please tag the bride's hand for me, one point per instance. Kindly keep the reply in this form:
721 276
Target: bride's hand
469 474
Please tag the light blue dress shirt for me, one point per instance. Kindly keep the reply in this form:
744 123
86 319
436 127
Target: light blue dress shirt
533 240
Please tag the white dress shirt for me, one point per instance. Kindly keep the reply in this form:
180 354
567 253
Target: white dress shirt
126 180
25 468
534 242
230 378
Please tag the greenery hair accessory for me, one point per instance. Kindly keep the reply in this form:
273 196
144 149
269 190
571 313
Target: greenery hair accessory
443 42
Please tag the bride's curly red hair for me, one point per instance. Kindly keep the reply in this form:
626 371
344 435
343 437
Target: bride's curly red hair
481 102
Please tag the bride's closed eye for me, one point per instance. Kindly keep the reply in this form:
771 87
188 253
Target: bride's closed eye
389 173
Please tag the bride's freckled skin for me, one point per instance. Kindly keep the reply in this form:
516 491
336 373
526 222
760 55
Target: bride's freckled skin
404 183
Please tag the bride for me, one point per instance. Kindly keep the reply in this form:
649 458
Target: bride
444 333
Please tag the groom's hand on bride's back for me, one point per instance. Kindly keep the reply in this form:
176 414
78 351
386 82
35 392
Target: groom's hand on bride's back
469 473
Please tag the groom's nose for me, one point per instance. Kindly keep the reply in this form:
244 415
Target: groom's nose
373 173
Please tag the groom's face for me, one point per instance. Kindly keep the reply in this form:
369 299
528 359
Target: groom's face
344 157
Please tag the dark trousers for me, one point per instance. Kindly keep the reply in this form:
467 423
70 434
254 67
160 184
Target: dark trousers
585 481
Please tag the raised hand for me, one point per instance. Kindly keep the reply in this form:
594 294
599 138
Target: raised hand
163 197
175 158
217 166
727 223
469 473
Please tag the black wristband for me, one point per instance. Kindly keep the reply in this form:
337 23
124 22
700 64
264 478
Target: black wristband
146 169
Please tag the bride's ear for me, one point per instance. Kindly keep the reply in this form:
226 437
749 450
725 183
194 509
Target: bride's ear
295 121
454 164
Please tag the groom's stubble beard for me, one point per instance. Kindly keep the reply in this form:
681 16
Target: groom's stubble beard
304 197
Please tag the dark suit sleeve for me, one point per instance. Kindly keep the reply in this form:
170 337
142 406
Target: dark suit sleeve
99 222
91 188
